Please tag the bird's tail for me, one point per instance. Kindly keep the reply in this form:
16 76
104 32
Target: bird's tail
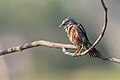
94 52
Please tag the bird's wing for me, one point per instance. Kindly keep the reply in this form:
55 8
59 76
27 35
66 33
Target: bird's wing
82 28
83 31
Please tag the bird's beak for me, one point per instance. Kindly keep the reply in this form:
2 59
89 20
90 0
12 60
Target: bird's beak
61 25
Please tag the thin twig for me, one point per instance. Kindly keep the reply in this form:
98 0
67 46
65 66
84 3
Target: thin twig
103 30
63 46
100 36
97 41
103 57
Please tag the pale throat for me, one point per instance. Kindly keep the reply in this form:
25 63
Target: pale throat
68 27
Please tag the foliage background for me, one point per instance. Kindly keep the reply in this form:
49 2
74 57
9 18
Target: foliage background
24 21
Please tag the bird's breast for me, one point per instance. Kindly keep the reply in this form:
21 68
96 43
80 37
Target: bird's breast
74 36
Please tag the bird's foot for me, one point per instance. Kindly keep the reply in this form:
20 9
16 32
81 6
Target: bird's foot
76 54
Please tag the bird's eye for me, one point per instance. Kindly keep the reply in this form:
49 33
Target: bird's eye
66 20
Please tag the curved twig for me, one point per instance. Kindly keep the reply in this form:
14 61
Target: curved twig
63 46
97 41
103 30
100 36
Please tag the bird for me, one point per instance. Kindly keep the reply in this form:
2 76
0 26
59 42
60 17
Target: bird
78 37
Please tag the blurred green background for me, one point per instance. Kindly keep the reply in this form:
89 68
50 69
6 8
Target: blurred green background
24 21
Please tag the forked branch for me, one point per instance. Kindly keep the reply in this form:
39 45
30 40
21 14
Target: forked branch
63 46
51 45
98 40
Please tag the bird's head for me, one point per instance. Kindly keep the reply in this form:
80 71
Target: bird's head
67 21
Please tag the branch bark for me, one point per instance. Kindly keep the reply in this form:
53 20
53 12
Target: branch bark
63 46
51 45
35 44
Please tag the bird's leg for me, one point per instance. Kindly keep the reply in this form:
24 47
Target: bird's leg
78 51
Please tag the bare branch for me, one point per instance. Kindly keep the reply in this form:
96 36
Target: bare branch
103 57
103 30
51 45
35 44
63 46
112 59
